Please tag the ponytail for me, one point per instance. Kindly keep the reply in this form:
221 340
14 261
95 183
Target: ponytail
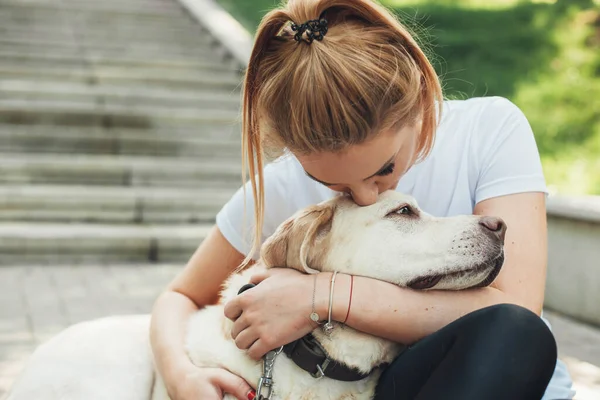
368 74
252 143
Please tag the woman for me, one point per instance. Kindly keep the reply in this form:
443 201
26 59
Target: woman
345 92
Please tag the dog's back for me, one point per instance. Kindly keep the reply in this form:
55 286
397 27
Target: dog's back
104 359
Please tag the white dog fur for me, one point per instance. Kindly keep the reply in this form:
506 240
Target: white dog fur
391 240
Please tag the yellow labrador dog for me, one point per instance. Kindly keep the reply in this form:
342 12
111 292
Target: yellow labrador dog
392 240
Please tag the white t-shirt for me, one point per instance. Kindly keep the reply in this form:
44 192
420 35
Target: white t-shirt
484 148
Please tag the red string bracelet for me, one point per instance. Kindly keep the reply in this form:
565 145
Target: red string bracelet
350 299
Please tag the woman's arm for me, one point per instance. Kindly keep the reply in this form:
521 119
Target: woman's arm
276 311
197 285
406 315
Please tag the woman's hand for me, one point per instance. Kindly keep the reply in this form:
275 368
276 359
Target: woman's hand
274 313
210 384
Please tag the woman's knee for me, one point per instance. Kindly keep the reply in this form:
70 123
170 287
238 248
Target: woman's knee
522 333
520 320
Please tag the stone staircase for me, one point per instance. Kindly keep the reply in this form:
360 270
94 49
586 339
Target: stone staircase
119 131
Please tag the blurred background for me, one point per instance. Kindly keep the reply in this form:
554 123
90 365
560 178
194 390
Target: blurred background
119 142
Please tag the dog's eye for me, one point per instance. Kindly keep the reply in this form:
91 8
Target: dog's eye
404 210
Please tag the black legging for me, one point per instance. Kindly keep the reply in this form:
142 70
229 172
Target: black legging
502 352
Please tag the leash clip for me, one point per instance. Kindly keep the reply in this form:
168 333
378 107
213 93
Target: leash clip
266 380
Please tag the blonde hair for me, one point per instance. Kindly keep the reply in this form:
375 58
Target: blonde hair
366 76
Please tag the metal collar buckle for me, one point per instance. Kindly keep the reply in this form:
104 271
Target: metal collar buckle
321 369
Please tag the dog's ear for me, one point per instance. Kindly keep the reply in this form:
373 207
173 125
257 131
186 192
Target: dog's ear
317 232
274 250
294 243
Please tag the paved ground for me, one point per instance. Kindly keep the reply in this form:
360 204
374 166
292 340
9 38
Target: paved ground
37 302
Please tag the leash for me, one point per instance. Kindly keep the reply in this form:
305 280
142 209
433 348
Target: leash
265 383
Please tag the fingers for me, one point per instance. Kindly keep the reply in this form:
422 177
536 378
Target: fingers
258 349
240 324
245 339
259 277
234 385
233 308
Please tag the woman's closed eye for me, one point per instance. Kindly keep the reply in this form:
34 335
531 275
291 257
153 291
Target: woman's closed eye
387 170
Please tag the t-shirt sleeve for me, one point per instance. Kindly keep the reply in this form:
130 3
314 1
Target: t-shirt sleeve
508 160
236 220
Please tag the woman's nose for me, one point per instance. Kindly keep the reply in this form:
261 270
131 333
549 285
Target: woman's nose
366 195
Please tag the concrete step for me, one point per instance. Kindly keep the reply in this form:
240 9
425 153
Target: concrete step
41 73
32 243
148 46
113 3
101 34
80 18
198 52
188 38
131 4
154 11
42 139
106 170
19 15
118 94
87 113
214 132
23 77
226 80
20 30
191 35
113 6
121 60
42 59
110 204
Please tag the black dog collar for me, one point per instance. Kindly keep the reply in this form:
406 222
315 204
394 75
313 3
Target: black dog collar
308 354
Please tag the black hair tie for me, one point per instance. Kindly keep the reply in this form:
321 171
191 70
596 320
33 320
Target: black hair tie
315 29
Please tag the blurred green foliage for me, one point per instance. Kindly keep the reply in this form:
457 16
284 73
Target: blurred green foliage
544 55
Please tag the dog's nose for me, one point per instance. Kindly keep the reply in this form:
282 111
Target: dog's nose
495 225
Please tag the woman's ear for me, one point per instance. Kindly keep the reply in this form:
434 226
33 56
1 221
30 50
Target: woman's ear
291 244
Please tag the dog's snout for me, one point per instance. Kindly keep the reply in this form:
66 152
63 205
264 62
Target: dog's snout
494 225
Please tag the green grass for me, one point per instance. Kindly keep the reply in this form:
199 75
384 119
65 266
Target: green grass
544 55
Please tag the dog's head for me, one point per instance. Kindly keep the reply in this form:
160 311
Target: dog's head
391 240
